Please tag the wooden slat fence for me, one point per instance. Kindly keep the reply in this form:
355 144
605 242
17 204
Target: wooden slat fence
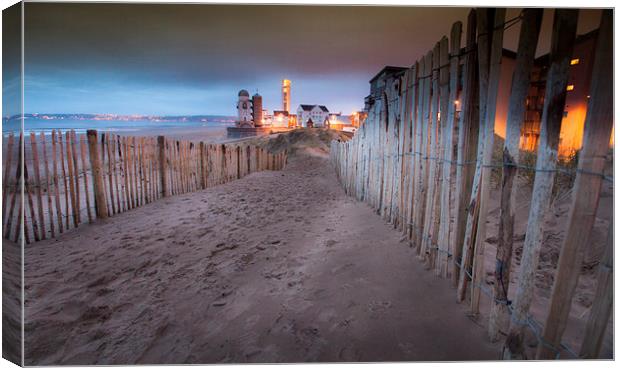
70 179
423 159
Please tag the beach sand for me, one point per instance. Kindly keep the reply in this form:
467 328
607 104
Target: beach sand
275 267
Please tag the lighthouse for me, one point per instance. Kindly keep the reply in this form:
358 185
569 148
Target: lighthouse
286 95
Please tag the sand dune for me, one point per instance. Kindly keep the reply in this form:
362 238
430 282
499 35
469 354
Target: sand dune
275 267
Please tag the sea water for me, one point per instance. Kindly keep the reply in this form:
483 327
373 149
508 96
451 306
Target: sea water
80 126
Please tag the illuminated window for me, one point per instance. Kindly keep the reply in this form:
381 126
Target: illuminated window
574 62
570 87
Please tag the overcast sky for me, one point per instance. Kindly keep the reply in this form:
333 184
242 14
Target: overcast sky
193 59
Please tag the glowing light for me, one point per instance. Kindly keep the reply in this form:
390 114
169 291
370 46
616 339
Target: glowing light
456 102
571 131
570 87
574 62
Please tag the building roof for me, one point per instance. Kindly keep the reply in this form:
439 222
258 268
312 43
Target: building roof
243 92
310 107
280 112
543 60
389 70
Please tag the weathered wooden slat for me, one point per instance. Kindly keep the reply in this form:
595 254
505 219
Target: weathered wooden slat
421 153
30 203
586 189
562 42
15 193
444 90
125 165
431 160
48 193
528 40
64 179
163 170
136 174
131 165
143 173
103 172
448 148
58 207
398 206
108 150
70 167
37 184
7 169
118 193
487 155
415 143
485 29
85 171
469 123
76 170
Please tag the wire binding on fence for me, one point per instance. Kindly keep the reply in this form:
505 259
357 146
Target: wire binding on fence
499 165
529 321
130 171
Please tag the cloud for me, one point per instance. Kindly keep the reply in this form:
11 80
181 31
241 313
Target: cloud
206 53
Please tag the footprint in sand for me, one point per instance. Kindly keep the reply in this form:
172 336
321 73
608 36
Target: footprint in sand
330 243
377 306
340 269
349 354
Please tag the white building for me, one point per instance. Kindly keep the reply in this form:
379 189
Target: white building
244 109
312 116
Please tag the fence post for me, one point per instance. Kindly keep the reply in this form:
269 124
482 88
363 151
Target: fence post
586 190
562 42
528 40
101 208
163 169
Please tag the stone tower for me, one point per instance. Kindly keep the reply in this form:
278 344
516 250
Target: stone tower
257 109
244 109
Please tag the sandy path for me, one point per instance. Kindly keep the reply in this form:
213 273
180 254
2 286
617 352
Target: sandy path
275 267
